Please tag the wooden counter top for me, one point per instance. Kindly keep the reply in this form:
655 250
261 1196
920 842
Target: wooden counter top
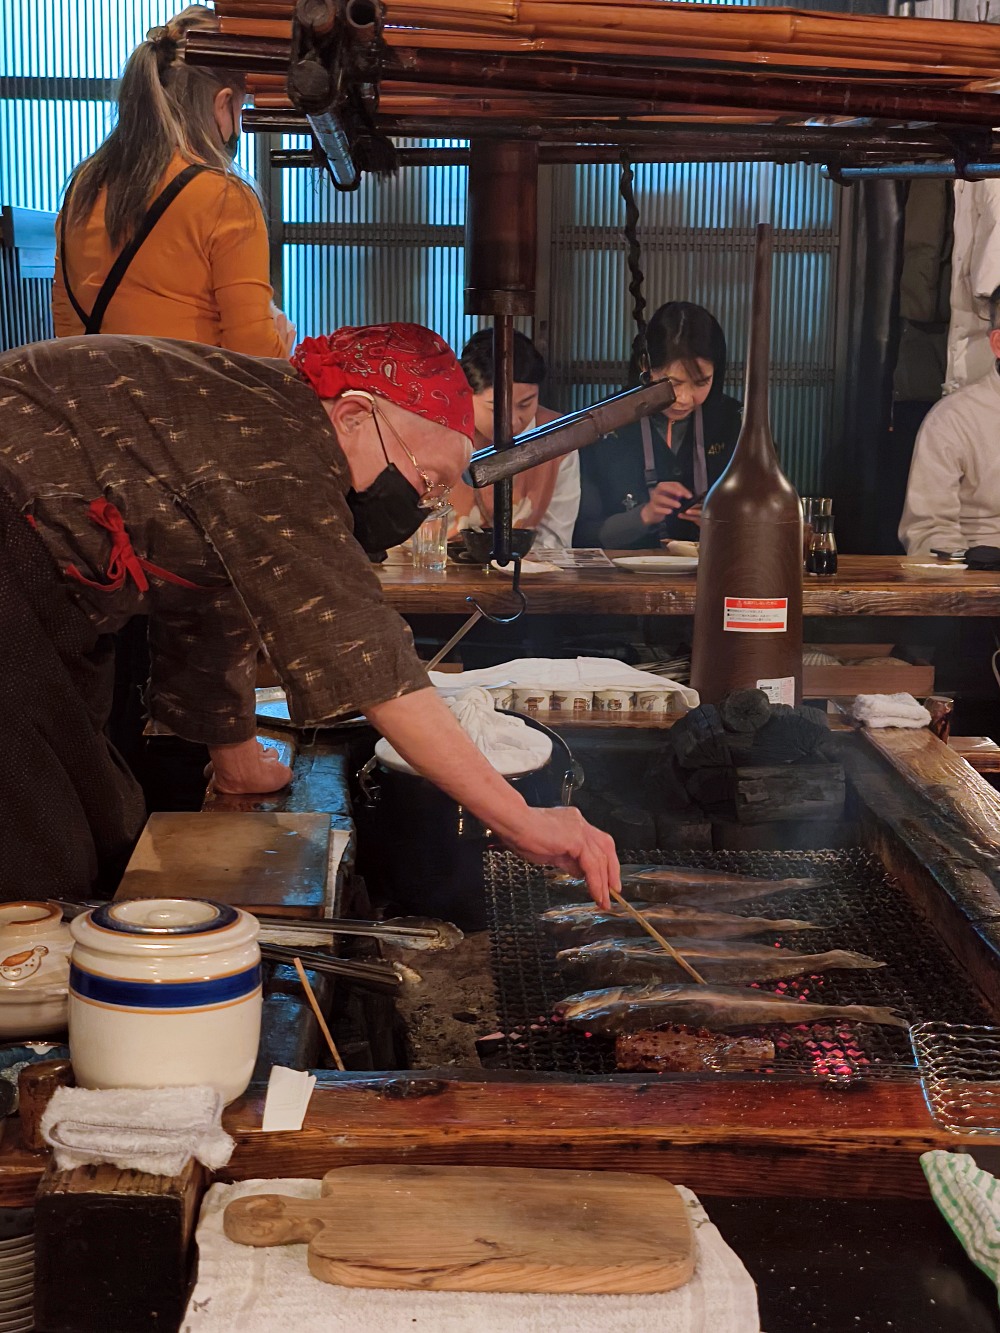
867 585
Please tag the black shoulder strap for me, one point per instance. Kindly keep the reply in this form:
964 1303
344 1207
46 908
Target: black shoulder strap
92 322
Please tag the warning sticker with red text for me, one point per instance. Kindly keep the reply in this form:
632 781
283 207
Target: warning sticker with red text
755 615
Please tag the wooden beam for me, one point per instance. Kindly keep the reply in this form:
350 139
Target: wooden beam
729 1136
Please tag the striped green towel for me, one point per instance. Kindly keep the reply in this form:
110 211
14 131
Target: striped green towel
969 1198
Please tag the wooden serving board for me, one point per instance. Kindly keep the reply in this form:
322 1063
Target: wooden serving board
486 1228
271 863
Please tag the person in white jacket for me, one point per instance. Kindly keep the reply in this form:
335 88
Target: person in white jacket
975 272
953 492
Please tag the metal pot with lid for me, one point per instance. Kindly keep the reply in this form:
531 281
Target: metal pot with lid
425 849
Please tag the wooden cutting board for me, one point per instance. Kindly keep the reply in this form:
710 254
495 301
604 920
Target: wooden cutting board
479 1228
273 864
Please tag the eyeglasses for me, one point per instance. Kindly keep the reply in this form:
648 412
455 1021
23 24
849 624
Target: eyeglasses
436 494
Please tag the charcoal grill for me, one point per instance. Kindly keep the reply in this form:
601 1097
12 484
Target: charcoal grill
860 907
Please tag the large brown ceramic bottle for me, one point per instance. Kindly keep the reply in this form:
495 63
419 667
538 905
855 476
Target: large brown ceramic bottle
748 612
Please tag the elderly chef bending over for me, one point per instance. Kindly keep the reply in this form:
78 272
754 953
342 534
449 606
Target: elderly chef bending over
232 501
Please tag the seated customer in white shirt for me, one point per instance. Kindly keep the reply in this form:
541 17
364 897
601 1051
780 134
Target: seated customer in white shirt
953 494
547 497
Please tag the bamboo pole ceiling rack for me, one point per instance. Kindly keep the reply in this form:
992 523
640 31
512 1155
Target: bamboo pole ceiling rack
674 81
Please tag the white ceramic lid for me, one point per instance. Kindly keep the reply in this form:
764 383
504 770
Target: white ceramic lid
177 925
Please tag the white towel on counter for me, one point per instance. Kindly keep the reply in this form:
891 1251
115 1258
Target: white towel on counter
510 744
247 1290
157 1130
889 710
565 673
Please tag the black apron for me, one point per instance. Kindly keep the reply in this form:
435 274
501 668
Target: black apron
92 322
127 719
650 475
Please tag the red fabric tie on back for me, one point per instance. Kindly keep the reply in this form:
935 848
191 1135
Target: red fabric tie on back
123 560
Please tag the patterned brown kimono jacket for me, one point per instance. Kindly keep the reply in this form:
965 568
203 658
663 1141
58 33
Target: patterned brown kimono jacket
206 490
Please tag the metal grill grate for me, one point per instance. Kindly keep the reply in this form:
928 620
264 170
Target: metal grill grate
860 907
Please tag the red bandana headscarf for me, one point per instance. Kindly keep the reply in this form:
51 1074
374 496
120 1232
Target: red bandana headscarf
404 363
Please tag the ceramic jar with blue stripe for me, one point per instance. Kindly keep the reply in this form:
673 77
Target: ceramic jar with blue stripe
165 992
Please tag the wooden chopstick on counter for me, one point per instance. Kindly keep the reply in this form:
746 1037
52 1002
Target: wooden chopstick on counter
664 943
314 1005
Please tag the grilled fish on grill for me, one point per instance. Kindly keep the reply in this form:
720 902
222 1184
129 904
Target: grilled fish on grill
689 884
578 920
628 1008
618 962
690 1050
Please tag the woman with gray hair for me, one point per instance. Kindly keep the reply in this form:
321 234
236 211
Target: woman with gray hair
159 235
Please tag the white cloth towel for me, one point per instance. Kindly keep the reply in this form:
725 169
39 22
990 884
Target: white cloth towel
248 1290
565 673
889 710
157 1130
509 744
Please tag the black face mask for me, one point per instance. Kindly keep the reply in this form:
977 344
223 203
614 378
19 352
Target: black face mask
388 511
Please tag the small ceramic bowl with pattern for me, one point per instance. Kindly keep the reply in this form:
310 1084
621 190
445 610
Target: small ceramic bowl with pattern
35 945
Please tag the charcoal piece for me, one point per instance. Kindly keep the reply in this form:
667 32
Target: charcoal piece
688 830
664 783
740 745
790 734
768 795
595 809
699 739
744 710
631 826
711 786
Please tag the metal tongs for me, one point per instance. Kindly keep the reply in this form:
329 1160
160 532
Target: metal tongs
282 940
405 932
369 976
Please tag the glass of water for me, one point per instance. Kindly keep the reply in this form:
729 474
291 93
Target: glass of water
429 543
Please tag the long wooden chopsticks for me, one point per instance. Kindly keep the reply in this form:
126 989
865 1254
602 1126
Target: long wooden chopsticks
314 1006
664 943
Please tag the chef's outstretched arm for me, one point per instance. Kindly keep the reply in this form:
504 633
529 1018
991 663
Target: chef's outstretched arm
424 731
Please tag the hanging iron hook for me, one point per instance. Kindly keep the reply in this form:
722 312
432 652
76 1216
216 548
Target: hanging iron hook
633 258
515 589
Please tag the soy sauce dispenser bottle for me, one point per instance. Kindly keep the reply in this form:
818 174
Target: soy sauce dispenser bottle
748 608
821 558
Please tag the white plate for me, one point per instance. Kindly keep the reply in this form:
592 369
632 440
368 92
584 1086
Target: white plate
17 1243
656 564
23 1324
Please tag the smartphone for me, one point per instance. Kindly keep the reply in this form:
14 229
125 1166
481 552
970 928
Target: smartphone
691 504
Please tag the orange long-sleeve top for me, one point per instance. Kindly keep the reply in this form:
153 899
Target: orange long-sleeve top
201 276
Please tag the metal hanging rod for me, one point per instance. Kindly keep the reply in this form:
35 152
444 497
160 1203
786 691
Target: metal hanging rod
916 171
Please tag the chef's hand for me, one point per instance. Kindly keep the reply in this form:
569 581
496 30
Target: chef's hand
664 499
561 837
246 769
